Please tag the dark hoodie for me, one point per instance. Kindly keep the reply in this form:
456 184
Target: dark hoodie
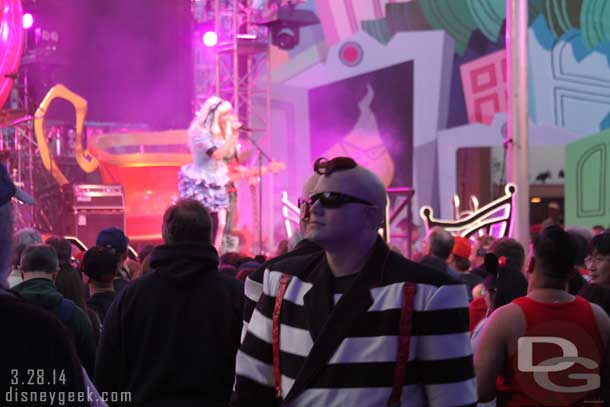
35 341
42 292
171 336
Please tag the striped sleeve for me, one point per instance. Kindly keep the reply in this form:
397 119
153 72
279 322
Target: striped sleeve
254 381
445 360
253 288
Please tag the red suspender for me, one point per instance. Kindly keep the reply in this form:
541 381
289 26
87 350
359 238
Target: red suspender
275 342
404 342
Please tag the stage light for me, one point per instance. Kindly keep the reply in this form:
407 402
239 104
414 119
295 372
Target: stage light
28 21
210 39
285 38
536 200
285 24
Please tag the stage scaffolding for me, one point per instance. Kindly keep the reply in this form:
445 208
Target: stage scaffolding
243 63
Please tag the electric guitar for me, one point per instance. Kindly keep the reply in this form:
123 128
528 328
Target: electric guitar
253 174
237 172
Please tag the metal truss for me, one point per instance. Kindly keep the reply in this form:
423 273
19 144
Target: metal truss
243 63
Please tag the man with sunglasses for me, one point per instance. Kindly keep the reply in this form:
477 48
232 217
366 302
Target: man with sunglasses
359 325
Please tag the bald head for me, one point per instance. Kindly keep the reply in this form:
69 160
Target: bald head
352 224
358 182
310 184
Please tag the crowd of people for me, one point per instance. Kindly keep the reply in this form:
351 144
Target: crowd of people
339 318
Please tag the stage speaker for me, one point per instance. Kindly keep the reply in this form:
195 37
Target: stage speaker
91 208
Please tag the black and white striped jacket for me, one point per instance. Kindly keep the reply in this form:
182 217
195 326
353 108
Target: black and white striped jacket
352 360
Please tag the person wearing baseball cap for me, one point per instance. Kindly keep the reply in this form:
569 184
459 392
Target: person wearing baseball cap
115 239
100 265
460 261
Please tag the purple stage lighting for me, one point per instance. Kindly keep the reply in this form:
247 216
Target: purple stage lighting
28 20
210 39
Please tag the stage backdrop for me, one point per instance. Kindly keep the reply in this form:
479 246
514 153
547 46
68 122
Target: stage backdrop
370 118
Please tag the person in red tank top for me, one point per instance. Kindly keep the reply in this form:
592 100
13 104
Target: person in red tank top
549 348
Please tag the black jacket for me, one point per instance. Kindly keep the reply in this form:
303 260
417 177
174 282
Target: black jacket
38 357
100 303
171 336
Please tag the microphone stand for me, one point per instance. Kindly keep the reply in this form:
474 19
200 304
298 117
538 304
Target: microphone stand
261 154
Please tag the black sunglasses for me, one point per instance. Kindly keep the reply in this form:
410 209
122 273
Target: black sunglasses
332 200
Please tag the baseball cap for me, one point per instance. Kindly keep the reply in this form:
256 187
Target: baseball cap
462 247
113 237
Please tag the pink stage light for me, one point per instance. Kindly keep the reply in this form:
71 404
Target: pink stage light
11 39
210 39
28 21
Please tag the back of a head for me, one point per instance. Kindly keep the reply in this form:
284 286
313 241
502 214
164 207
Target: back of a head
440 242
100 263
462 248
556 253
601 243
187 221
39 257
510 286
23 238
69 283
62 248
582 246
512 250
507 283
115 238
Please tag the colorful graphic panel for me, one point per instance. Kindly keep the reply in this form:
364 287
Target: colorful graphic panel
484 83
586 185
370 118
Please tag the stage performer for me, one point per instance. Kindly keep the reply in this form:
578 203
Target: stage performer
212 139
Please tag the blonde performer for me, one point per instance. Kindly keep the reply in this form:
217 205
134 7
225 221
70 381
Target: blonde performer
213 141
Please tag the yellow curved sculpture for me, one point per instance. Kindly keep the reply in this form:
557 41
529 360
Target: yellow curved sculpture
84 159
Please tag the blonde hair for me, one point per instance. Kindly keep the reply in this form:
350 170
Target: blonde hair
208 115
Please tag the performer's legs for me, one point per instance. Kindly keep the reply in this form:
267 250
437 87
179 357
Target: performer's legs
228 242
222 219
214 216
